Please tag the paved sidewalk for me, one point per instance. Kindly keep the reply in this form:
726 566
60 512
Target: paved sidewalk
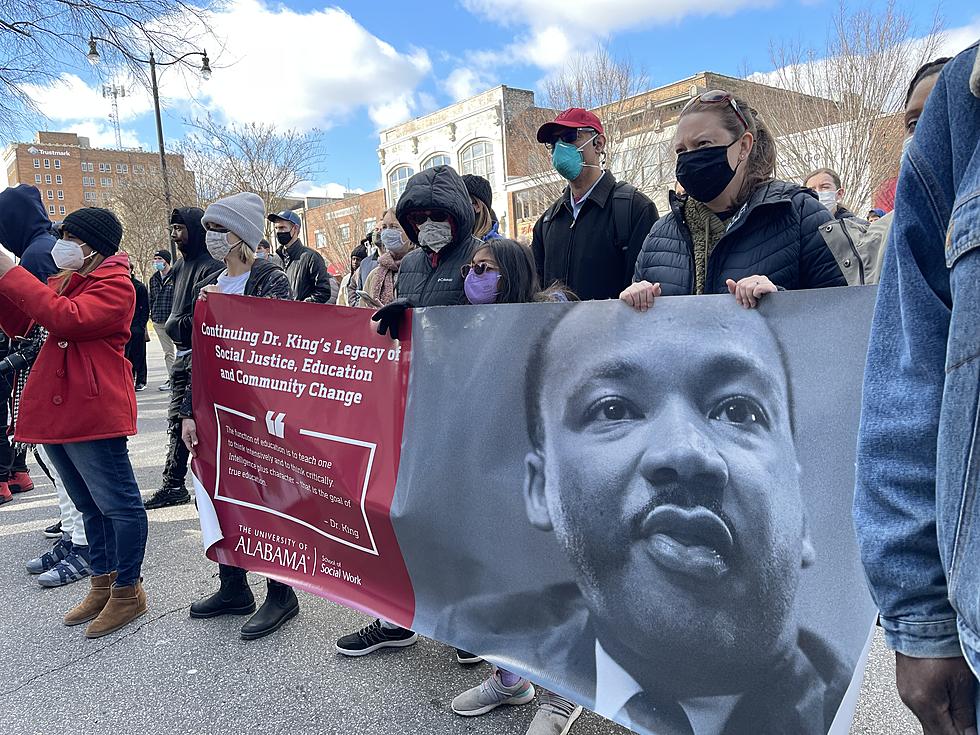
172 675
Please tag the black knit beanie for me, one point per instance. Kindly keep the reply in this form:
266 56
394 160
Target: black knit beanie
479 187
98 228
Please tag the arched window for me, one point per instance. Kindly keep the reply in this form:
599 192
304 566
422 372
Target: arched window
439 159
397 180
477 158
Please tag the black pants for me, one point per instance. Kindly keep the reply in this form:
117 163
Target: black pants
136 354
175 467
11 462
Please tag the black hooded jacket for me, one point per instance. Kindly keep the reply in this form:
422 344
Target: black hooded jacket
307 273
25 230
434 279
195 265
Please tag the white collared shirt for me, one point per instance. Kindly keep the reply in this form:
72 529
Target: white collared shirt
615 687
577 207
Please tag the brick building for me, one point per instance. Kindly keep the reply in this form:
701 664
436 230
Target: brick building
70 174
335 228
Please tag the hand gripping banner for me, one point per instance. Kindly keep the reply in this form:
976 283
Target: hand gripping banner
647 513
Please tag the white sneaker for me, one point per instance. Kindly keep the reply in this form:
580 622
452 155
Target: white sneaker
491 694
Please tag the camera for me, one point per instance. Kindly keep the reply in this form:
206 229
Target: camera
24 351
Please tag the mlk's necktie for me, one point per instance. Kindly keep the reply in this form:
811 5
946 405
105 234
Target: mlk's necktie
658 716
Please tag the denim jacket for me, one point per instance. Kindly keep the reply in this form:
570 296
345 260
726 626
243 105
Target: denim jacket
916 506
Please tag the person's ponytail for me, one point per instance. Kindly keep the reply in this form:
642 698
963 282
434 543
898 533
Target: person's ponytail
760 167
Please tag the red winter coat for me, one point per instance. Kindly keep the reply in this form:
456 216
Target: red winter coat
81 386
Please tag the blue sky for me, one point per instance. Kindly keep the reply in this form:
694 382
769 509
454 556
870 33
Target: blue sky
353 68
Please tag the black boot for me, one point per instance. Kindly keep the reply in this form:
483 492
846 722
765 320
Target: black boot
234 597
280 605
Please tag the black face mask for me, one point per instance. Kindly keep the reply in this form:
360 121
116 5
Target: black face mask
284 238
705 172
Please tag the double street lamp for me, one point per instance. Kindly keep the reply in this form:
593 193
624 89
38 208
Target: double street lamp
205 71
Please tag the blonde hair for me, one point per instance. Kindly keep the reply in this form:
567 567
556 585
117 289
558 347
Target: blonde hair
483 221
245 253
96 260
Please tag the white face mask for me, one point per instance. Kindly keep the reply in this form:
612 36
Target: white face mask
828 199
218 243
68 255
393 241
435 235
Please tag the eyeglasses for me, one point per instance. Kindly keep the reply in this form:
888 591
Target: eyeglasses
568 135
478 268
418 217
715 97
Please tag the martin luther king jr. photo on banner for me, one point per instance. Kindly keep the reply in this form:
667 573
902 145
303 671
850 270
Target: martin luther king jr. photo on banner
648 512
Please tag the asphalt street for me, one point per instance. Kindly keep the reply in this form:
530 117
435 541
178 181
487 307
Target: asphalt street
170 675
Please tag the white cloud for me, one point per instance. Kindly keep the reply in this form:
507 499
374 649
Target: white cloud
465 82
70 98
397 109
330 190
102 135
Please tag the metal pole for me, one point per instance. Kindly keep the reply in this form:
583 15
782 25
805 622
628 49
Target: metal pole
163 157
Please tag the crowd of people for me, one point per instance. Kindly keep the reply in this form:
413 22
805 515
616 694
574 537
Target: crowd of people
732 228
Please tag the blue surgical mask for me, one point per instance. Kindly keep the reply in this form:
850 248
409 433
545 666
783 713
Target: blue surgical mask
261 255
160 266
392 239
567 159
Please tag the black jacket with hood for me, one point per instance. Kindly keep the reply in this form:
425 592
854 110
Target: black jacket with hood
434 279
25 230
775 234
307 273
195 265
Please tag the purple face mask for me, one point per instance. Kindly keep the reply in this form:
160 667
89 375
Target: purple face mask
481 289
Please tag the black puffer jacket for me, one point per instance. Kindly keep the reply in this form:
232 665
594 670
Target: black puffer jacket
426 278
775 234
195 265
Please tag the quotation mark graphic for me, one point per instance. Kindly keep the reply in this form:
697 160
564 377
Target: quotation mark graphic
275 424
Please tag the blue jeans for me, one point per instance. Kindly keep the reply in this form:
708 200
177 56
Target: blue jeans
100 481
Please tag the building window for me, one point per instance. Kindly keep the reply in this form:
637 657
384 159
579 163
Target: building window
86 166
88 181
397 180
50 194
138 168
57 179
91 196
47 163
477 159
61 209
47 178
344 233
320 239
104 168
57 163
61 194
369 224
37 163
106 181
122 168
50 209
37 178
439 159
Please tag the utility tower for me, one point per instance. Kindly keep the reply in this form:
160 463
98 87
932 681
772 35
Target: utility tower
114 91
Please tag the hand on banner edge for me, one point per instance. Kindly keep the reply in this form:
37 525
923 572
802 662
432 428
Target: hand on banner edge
940 692
203 295
188 434
748 291
640 295
389 317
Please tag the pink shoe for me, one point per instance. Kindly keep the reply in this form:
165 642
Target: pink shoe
20 482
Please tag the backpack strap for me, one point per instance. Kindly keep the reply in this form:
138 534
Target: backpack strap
622 204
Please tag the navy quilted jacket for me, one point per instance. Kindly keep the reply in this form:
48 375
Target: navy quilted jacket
775 234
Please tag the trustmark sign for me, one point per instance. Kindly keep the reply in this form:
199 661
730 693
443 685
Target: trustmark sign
35 151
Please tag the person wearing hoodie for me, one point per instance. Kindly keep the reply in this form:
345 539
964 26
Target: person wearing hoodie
485 226
193 267
87 309
25 230
234 230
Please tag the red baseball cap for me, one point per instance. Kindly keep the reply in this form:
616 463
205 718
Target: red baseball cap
574 117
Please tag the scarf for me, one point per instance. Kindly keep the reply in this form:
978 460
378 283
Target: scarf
383 288
706 230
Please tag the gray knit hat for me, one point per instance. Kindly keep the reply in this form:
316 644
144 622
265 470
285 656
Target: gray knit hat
242 214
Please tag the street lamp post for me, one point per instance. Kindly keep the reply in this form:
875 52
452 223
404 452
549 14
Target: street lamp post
93 57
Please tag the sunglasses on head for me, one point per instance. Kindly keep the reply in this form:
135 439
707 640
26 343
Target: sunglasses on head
568 135
718 97
417 218
478 268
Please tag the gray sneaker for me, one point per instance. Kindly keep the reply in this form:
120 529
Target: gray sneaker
555 715
61 549
72 568
491 694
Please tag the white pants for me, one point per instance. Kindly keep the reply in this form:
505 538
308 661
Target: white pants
167 344
71 518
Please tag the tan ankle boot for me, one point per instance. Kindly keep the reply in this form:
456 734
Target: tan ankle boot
94 601
124 606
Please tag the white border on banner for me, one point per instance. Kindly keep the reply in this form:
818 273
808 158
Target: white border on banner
304 432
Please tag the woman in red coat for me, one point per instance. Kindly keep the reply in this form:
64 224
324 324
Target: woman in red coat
79 402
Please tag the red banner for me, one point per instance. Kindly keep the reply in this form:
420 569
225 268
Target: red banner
299 418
